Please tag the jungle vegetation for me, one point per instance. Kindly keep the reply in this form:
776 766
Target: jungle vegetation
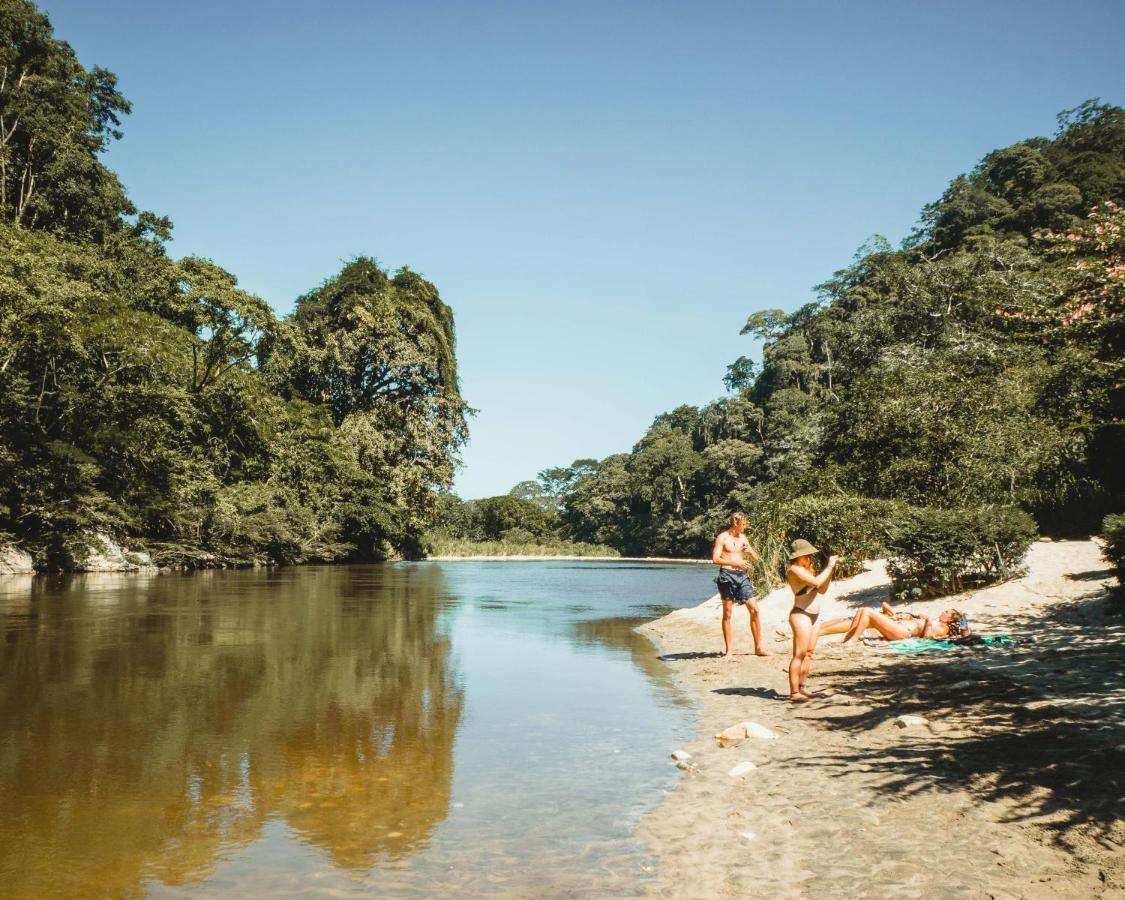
154 400
972 375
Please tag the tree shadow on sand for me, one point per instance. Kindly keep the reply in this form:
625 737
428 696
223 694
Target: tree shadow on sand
1041 724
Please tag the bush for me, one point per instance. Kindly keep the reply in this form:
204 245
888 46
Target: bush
942 551
1113 527
853 528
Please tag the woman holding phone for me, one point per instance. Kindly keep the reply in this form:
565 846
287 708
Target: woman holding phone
807 587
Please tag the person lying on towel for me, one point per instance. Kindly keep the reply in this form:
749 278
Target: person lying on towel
952 624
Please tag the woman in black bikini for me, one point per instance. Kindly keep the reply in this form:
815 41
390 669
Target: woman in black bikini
807 589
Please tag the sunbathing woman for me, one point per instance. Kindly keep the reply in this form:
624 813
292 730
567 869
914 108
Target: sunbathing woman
807 589
843 624
950 624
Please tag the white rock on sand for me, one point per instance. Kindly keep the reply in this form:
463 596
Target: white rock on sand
681 755
744 730
910 721
743 768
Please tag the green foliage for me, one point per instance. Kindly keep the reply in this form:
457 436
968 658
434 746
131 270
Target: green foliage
497 517
438 543
943 551
1113 531
853 528
154 400
55 119
981 363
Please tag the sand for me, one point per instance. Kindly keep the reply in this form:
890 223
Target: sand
1013 789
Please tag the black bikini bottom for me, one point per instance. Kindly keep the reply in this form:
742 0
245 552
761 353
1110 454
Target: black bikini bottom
813 616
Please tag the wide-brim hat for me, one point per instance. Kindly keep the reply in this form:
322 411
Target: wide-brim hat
801 547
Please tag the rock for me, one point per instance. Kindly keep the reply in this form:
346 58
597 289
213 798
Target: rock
681 755
743 768
742 731
14 561
683 765
961 685
908 721
749 835
106 555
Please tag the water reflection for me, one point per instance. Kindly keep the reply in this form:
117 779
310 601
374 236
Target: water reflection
151 724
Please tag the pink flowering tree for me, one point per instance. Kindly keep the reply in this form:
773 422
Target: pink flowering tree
1093 294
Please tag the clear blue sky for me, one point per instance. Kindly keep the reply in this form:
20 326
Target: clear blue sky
602 191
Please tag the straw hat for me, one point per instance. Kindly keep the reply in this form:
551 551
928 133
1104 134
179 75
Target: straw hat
801 547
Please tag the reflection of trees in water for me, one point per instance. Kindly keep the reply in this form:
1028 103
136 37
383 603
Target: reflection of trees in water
151 723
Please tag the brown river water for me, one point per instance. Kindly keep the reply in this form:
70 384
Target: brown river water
399 730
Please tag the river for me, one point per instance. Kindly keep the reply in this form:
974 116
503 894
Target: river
396 730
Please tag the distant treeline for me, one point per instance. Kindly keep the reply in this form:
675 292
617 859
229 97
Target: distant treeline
153 400
979 365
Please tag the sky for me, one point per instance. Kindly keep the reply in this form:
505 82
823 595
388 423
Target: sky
603 192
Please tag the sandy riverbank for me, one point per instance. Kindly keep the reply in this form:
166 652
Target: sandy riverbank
1014 789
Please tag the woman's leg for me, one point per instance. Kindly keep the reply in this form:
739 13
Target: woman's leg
802 628
835 626
810 648
885 625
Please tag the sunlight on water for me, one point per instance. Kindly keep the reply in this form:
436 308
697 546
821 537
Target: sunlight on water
396 729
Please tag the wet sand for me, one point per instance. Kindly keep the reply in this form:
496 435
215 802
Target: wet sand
1014 788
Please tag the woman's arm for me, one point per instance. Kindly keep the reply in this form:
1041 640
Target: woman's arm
830 568
818 581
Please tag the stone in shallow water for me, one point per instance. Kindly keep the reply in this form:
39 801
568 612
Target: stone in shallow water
681 755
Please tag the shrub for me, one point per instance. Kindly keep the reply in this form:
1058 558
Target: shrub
853 528
1113 527
941 551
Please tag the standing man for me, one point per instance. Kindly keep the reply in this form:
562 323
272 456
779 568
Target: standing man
734 585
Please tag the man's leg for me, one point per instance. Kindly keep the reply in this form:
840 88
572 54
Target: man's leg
756 626
728 649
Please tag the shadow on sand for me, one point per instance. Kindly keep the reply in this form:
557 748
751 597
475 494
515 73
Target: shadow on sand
1042 724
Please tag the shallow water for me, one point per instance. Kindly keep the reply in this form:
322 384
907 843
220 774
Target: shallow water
396 730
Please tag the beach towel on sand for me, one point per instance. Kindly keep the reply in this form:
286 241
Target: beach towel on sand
923 645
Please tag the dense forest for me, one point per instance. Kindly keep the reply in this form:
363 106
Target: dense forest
973 376
151 400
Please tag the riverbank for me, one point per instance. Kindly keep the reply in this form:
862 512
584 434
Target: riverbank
1012 787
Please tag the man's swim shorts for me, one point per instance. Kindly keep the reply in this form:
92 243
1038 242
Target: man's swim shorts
734 586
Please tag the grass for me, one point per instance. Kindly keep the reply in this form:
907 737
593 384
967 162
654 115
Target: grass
443 545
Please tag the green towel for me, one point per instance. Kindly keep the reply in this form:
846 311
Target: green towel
922 645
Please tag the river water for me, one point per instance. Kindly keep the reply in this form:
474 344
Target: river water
399 730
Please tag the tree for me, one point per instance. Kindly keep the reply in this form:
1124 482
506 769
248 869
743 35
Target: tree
56 117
